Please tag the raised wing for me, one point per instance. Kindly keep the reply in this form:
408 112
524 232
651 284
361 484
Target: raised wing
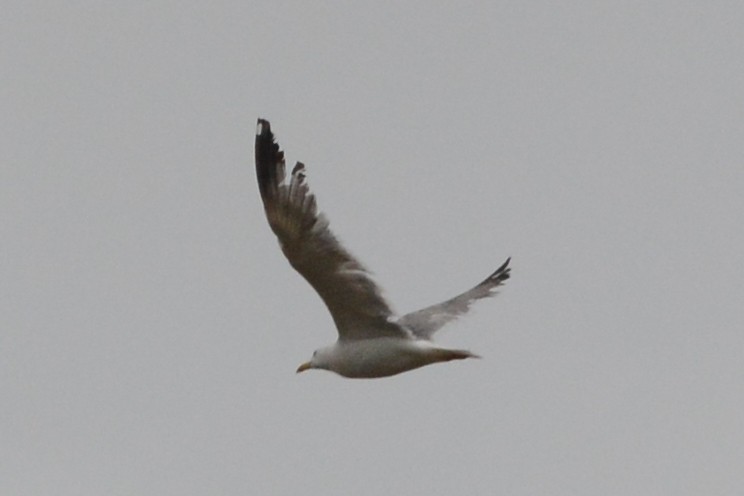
354 300
423 323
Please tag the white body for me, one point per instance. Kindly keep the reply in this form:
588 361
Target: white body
382 357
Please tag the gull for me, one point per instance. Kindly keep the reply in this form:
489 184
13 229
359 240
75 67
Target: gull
372 341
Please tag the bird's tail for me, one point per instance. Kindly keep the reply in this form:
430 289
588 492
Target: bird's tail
445 355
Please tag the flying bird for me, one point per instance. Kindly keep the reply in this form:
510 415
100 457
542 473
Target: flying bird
372 341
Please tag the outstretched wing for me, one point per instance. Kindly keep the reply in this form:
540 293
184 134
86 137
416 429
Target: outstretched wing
354 300
429 320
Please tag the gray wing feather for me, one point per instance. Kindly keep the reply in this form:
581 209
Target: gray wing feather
345 286
425 322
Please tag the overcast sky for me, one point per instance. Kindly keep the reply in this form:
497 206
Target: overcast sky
150 326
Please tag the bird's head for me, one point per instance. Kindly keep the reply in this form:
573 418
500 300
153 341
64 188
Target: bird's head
320 360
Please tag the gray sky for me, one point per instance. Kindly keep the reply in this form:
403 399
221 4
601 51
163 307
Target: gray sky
150 326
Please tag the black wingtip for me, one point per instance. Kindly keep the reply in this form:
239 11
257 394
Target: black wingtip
505 267
263 127
268 156
502 273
